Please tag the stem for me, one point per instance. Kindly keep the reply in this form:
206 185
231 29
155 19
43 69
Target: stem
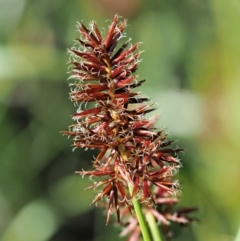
153 227
137 207
141 219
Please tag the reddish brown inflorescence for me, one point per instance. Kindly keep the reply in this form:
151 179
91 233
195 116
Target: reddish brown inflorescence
131 151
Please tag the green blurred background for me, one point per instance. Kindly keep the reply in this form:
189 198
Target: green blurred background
191 62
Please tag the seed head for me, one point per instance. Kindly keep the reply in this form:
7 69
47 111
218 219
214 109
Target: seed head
131 151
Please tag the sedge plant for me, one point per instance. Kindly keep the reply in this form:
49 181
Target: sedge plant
136 163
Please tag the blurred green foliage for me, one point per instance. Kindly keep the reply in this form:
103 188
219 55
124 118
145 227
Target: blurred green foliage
191 61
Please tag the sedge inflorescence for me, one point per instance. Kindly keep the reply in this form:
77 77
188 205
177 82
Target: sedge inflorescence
135 160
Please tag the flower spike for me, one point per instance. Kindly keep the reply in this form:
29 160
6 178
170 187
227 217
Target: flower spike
131 151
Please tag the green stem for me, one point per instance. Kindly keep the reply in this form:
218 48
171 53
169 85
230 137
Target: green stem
141 219
136 204
153 227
